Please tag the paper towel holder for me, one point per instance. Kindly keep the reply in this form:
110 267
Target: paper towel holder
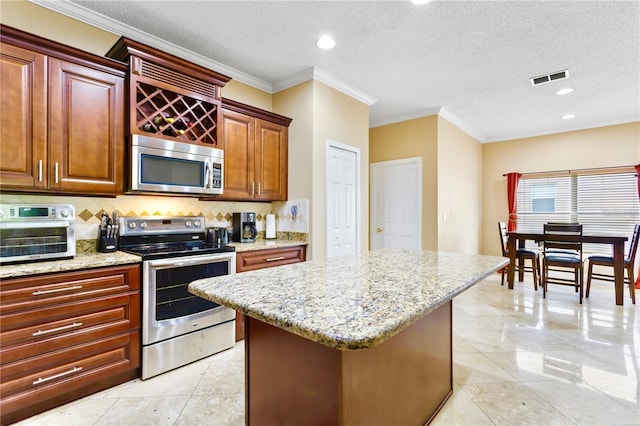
270 227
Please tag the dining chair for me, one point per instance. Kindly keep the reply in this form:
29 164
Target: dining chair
521 256
562 253
607 261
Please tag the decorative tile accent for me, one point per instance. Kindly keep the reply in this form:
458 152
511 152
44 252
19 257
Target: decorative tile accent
217 213
85 215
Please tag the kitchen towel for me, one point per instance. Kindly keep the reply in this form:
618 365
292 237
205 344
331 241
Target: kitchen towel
270 231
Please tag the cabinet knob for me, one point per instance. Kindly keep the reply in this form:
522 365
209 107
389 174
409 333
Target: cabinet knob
378 230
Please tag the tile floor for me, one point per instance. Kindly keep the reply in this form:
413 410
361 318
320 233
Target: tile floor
519 359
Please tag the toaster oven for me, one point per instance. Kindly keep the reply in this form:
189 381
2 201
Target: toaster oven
36 232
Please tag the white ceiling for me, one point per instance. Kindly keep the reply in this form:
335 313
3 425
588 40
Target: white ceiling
469 60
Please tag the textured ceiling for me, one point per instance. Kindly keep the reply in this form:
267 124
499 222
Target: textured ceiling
470 59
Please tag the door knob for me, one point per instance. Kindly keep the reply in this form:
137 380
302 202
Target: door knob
378 230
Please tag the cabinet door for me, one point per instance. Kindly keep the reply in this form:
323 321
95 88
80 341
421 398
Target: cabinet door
238 145
23 118
271 161
86 129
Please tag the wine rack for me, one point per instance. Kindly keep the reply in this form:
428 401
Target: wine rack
169 114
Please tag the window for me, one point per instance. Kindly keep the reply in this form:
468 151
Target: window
603 203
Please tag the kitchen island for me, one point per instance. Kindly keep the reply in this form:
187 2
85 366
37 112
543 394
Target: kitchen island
352 340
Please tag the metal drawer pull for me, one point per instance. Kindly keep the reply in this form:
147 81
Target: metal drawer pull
57 181
53 330
55 376
40 171
56 290
273 259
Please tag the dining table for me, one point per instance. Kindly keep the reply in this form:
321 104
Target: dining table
616 241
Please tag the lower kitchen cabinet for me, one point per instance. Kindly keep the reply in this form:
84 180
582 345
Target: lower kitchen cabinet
66 335
268 258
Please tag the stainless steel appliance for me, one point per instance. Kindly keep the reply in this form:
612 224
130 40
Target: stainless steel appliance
217 235
178 327
37 232
159 165
244 227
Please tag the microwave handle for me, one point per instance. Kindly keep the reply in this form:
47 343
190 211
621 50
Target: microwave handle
208 176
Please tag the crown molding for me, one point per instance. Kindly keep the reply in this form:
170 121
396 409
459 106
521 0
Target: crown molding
83 14
406 117
440 111
315 73
631 119
462 125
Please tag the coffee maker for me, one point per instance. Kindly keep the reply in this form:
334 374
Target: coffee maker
244 227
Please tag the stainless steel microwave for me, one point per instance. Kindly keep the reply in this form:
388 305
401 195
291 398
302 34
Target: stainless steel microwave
159 166
37 232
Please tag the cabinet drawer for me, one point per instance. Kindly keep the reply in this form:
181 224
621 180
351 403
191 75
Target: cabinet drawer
35 332
39 291
250 260
56 377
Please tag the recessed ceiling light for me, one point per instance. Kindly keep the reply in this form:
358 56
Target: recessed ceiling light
568 116
326 42
420 1
564 91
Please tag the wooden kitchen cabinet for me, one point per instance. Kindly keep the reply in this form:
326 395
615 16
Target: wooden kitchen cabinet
255 144
66 335
267 258
63 118
169 97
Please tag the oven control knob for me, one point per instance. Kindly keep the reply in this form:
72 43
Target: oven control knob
143 225
65 212
196 224
187 224
132 225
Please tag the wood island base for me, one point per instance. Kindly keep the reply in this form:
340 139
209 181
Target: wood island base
405 380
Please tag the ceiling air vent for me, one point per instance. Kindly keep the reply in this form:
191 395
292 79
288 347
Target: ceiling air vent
559 75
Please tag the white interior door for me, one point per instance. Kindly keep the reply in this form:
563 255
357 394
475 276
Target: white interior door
396 204
342 199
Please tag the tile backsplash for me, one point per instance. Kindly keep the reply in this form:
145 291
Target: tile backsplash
216 213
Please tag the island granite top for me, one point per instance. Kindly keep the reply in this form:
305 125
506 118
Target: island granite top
351 302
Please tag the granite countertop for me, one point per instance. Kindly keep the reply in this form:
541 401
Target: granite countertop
267 244
351 302
88 260
80 261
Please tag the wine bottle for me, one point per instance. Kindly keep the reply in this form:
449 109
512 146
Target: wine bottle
182 123
148 127
163 119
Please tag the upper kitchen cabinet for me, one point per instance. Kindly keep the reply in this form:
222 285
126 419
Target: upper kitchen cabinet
169 97
255 144
62 115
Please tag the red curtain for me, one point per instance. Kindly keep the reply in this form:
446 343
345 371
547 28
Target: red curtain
638 176
512 186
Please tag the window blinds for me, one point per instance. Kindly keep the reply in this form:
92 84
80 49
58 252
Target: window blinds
605 204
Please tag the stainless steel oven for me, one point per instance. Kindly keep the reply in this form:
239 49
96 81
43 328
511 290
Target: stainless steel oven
177 326
36 232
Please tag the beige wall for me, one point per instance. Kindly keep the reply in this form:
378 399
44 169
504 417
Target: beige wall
607 146
459 190
340 118
248 95
45 23
408 139
297 103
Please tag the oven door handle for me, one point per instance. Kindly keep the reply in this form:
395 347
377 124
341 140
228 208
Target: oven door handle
31 225
167 263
